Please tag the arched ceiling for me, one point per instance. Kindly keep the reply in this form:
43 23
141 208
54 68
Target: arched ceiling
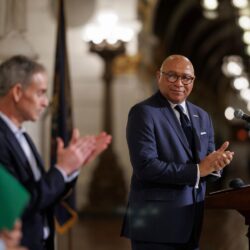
182 28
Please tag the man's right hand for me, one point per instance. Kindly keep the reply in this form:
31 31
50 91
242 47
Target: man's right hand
216 161
11 238
72 157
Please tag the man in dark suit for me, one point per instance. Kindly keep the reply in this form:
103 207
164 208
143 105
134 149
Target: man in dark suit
171 146
23 86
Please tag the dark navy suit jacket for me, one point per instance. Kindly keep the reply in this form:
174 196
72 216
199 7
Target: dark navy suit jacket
163 203
45 193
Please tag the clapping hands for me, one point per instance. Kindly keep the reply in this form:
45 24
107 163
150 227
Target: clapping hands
81 150
216 161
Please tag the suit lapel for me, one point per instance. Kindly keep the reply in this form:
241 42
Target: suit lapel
195 119
18 151
35 152
16 148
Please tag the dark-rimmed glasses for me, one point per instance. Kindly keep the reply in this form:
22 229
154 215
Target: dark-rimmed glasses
173 77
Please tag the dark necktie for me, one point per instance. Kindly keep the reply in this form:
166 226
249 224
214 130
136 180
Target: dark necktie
188 130
186 126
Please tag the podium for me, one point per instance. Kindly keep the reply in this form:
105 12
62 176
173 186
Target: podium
238 199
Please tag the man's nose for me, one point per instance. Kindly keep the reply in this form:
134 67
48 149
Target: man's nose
178 82
45 102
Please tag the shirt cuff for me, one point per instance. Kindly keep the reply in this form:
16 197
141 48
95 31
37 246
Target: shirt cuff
68 178
216 174
2 245
198 177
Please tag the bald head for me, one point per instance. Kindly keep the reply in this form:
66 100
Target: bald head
177 62
175 78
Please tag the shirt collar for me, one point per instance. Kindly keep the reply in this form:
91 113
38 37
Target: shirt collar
183 104
11 124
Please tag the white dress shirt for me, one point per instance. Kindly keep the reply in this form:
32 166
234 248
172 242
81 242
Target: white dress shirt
2 245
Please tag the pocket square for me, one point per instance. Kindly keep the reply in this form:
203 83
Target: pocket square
203 133
195 116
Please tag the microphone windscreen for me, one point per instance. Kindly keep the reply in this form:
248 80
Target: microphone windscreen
238 113
236 183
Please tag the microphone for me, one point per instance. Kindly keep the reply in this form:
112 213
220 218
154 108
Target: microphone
239 114
236 183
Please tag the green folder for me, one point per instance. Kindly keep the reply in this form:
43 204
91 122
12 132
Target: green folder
13 199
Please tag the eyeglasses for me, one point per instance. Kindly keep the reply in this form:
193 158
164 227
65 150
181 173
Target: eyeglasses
173 77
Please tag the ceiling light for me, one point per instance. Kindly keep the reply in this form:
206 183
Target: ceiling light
210 4
240 3
246 37
244 22
232 66
248 50
210 14
245 94
229 113
240 82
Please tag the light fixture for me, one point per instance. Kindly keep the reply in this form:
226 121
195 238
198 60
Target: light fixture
248 49
240 82
232 66
210 4
229 113
107 37
245 94
240 4
244 22
246 37
106 27
210 14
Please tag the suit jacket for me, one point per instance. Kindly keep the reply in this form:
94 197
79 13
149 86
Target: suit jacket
45 193
164 205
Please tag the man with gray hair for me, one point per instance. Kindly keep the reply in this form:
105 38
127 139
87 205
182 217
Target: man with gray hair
23 87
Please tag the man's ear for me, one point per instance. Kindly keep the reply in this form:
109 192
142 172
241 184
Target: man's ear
17 92
158 75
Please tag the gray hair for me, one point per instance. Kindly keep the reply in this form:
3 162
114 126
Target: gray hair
18 69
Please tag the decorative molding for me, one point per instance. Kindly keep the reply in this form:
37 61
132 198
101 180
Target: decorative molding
15 43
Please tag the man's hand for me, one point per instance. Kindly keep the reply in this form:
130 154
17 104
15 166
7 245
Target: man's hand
80 151
76 153
102 142
12 238
216 161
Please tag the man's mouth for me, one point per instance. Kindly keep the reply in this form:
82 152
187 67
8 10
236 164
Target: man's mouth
177 91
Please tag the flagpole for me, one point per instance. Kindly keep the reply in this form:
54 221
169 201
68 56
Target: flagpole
62 125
